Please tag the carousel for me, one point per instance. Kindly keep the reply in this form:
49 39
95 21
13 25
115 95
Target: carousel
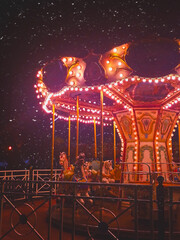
135 87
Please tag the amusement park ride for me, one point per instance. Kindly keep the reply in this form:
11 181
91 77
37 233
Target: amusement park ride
135 85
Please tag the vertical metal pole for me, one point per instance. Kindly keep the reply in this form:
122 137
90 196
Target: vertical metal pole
77 127
102 150
114 128
52 163
50 218
69 139
151 211
136 213
61 218
95 141
160 203
53 129
170 213
73 212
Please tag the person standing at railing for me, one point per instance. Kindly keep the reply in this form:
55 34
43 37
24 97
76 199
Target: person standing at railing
176 172
106 172
63 162
64 167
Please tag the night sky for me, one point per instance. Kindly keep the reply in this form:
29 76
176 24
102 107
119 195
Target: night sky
35 32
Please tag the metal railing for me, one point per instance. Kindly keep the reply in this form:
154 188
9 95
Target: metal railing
41 176
118 210
146 173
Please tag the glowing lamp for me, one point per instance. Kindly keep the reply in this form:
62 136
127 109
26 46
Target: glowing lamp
115 50
64 60
72 83
9 148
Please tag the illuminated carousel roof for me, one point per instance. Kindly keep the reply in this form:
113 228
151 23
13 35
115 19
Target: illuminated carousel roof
130 75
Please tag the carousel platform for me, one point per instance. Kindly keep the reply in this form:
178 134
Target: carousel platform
122 219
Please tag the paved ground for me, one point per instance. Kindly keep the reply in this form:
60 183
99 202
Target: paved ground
10 217
40 223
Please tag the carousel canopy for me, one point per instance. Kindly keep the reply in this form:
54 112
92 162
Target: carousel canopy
139 74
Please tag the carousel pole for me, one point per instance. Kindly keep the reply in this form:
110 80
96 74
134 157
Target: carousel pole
102 140
77 127
53 130
95 141
114 128
52 163
69 138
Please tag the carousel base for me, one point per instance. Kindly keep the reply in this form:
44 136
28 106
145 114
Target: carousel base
122 228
